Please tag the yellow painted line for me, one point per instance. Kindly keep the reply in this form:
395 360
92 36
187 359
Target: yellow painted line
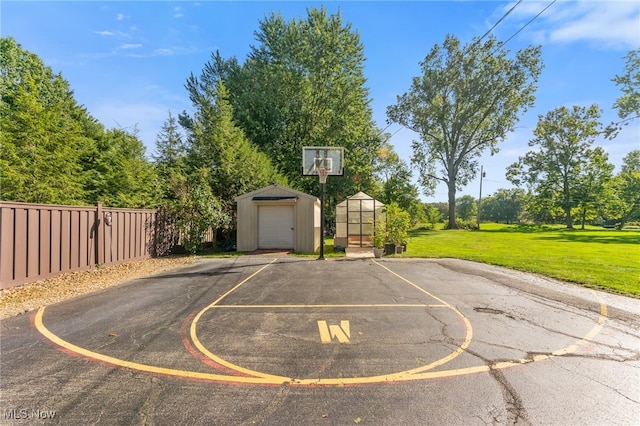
602 319
264 379
469 330
211 355
135 365
379 305
441 361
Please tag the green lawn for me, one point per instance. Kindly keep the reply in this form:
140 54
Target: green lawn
595 257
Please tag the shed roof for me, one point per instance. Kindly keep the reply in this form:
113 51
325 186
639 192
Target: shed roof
282 191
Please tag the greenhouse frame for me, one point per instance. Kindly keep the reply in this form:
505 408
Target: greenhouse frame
355 220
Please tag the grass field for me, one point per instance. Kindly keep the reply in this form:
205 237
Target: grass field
595 257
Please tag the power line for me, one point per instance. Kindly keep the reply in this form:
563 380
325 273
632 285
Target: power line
499 20
527 24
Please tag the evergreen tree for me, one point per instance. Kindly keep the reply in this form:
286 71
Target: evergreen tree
123 177
46 136
217 144
170 156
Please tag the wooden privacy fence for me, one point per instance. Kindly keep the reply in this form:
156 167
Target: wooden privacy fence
39 240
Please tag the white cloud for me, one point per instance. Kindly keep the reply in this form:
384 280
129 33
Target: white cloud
605 24
120 17
163 52
613 24
127 46
107 33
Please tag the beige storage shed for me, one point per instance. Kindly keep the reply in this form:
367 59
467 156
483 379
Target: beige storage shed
277 217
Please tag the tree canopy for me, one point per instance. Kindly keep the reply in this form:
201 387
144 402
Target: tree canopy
54 151
628 105
301 85
564 170
43 138
626 189
464 103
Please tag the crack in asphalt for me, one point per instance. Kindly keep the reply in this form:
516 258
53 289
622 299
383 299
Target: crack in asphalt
600 383
148 408
630 354
516 411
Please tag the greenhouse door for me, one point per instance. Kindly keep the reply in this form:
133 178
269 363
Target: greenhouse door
275 227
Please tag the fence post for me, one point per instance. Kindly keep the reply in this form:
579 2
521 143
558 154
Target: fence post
99 232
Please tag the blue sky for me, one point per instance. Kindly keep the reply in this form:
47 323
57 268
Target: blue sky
127 62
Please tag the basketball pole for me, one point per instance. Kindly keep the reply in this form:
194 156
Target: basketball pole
321 220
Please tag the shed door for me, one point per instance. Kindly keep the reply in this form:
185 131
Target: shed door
275 227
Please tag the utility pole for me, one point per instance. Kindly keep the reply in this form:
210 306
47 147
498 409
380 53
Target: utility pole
482 174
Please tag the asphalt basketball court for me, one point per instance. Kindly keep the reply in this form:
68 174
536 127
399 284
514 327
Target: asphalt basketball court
273 320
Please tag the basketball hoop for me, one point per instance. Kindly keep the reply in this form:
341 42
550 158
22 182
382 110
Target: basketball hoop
322 174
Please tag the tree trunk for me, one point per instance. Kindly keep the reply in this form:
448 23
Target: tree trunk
567 212
452 204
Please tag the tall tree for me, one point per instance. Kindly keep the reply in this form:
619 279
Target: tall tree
626 186
628 105
46 136
217 144
467 207
465 103
170 156
593 191
505 205
170 147
303 84
396 186
563 159
123 176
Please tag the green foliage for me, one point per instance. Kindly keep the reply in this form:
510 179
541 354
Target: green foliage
505 206
170 148
122 176
432 215
196 209
170 157
46 137
398 224
563 170
53 151
379 232
396 183
303 84
467 208
626 189
465 102
628 105
217 144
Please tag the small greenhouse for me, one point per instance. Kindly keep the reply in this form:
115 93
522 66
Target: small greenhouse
355 219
